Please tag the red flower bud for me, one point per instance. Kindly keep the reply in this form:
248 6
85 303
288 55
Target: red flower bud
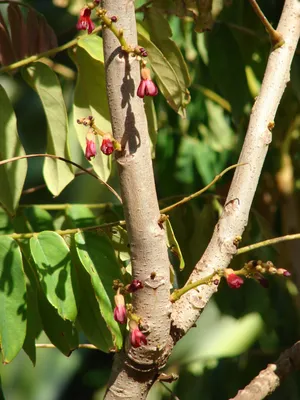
137 338
107 146
114 18
84 21
90 150
234 281
134 286
120 309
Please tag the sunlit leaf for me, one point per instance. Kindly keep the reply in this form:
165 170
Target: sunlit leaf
90 97
89 316
152 122
162 39
166 77
97 256
39 219
12 175
43 80
173 244
34 324
13 313
53 260
62 333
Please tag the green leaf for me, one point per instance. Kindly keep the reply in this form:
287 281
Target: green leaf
39 219
223 336
173 244
161 38
79 216
43 80
218 133
5 224
98 258
1 391
53 260
12 299
89 317
152 122
166 76
119 238
227 68
12 175
61 333
90 97
34 323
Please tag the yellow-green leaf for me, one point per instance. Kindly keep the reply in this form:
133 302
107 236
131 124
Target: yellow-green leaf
44 81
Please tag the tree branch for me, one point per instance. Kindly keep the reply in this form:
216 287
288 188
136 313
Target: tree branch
270 378
235 214
136 368
268 242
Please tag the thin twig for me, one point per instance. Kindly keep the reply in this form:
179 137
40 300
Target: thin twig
276 37
194 195
64 206
268 242
43 185
48 53
67 161
65 232
180 292
173 397
51 346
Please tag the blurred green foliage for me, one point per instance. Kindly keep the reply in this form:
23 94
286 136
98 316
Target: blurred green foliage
240 331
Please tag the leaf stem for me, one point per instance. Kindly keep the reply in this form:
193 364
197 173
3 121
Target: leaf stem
204 281
65 232
268 242
194 195
276 37
48 53
51 346
56 207
67 161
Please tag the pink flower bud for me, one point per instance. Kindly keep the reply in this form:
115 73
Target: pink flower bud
234 281
137 338
134 286
120 309
84 21
107 146
147 88
90 150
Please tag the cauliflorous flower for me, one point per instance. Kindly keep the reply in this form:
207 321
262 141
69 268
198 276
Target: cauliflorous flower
107 146
137 338
90 149
234 281
146 87
120 309
84 21
134 286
